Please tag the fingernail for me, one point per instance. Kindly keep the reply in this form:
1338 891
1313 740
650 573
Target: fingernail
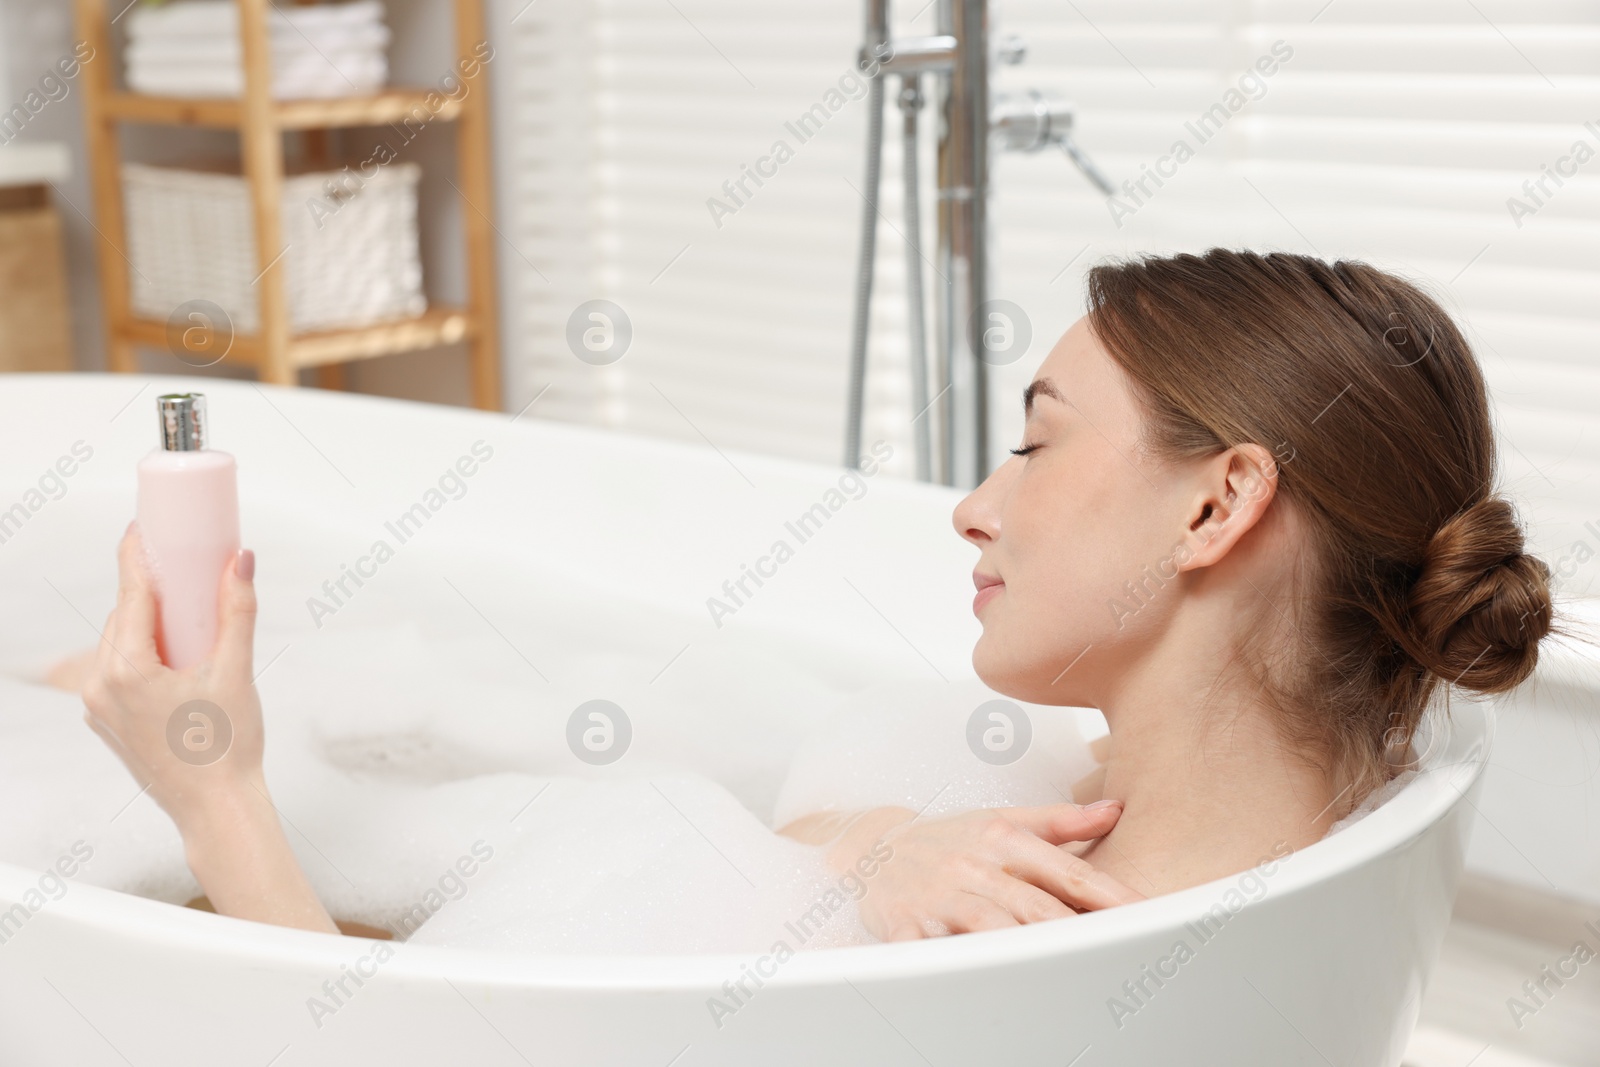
245 565
1099 804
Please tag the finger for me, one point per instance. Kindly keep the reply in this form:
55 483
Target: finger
906 931
968 913
1060 823
110 665
1027 903
102 651
134 631
1069 879
236 626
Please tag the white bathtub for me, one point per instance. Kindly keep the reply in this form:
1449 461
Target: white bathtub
1327 967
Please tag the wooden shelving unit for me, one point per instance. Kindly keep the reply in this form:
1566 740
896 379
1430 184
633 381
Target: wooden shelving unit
261 122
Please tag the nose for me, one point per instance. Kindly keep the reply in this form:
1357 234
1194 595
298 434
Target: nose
977 517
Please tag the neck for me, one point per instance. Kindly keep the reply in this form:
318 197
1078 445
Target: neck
1208 790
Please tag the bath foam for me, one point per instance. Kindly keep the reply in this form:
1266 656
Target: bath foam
497 658
665 865
906 744
641 858
669 865
672 864
370 849
393 750
376 852
402 704
601 865
51 573
60 784
388 779
410 729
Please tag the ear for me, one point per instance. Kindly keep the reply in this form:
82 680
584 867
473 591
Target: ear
1235 488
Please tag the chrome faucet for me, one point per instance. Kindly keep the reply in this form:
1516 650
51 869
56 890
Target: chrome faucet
950 428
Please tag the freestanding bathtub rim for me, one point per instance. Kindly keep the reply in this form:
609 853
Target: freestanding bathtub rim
1424 802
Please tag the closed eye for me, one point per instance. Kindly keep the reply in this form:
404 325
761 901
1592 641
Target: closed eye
1024 450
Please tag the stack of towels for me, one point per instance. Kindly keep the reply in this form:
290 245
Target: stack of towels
192 48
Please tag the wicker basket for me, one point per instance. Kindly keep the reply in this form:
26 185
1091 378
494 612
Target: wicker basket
350 254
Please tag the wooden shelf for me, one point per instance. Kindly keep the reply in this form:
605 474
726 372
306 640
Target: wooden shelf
436 326
277 354
440 325
392 105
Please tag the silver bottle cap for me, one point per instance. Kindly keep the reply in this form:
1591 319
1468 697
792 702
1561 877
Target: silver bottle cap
183 421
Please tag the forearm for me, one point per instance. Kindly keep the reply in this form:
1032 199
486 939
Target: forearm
241 858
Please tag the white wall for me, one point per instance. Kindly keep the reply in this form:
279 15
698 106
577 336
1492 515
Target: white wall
5 56
32 37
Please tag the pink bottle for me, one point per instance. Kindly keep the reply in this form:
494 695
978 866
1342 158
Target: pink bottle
188 516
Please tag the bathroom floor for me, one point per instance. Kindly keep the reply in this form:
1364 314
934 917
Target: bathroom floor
1467 1021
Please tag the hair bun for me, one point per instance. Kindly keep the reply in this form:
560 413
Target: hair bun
1480 605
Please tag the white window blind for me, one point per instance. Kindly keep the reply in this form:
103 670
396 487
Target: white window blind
1394 132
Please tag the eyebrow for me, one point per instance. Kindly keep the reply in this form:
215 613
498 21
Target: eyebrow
1040 386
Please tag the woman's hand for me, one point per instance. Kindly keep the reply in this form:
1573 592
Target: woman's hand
194 739
981 870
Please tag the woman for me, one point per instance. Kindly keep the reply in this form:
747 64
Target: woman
1252 520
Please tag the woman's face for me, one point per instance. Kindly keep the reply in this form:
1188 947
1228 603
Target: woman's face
1066 533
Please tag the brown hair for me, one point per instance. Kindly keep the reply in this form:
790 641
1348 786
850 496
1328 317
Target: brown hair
1373 403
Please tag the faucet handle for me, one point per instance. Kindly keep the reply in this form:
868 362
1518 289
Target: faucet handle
1011 50
1030 121
1086 165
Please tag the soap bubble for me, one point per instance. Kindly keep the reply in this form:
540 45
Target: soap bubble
199 732
599 732
599 332
200 333
1004 332
999 732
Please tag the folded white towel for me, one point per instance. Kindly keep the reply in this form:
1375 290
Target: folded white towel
312 79
203 50
357 66
313 63
231 89
191 48
184 18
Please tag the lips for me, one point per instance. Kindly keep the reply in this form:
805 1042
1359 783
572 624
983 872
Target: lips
989 586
